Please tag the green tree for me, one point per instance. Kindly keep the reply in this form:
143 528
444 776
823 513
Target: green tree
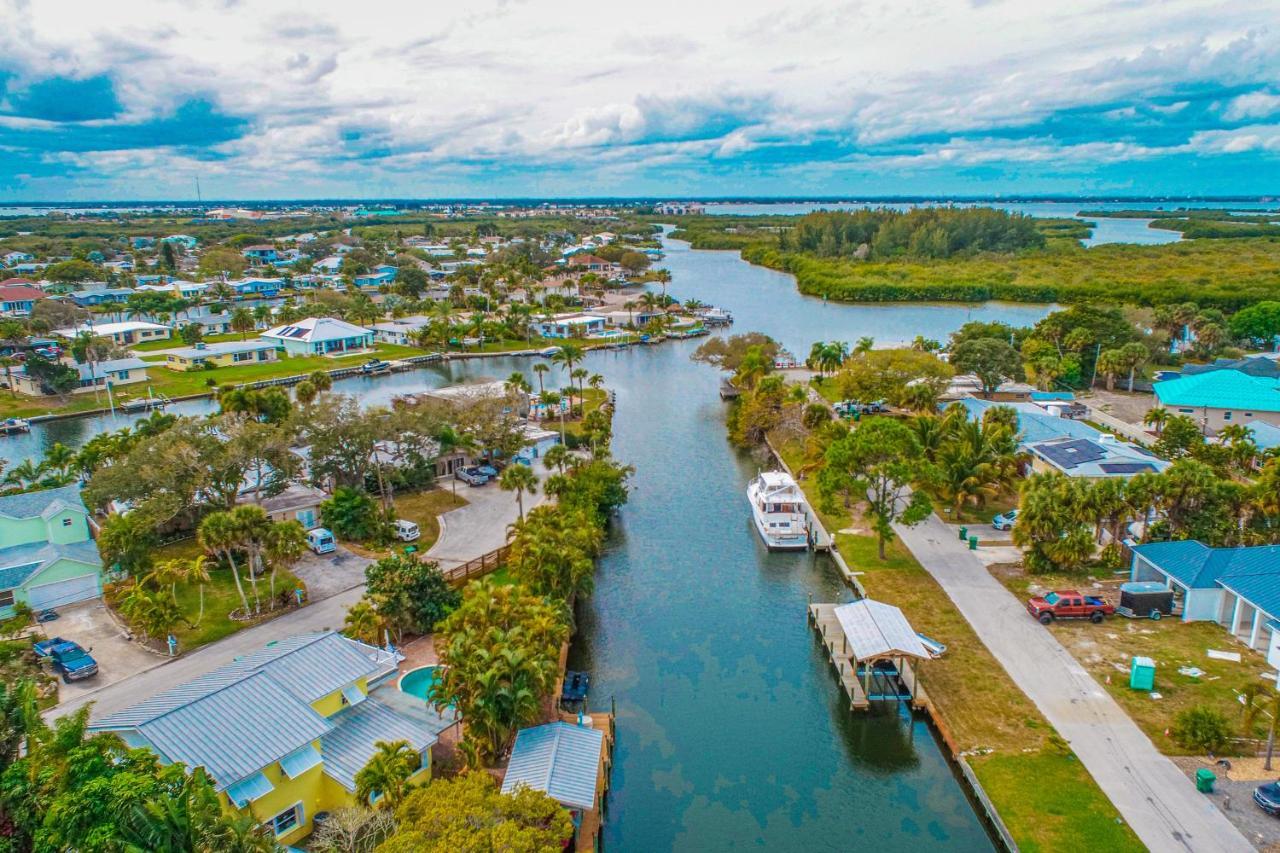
519 479
992 361
384 779
468 812
410 594
351 514
877 463
219 535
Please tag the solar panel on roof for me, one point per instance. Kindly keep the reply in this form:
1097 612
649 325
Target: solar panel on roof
1069 454
1126 467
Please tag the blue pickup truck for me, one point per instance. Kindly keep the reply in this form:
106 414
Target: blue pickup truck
71 661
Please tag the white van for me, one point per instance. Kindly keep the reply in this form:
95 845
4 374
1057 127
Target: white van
321 541
406 531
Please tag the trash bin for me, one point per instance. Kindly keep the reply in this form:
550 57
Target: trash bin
964 533
973 543
1142 674
1205 780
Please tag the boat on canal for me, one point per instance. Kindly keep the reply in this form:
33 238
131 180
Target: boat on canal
779 511
8 426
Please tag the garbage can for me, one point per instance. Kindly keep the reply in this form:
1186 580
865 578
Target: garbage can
1142 674
973 543
964 533
1205 780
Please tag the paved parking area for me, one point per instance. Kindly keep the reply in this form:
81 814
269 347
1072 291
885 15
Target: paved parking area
118 658
326 575
481 526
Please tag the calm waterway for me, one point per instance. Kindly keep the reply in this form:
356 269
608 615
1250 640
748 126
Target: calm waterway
732 731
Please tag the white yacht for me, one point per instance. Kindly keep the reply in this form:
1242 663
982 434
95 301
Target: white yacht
779 511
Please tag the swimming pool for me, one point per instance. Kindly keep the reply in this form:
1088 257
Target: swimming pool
418 682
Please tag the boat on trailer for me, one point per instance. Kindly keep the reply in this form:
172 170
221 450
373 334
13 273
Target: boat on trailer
779 511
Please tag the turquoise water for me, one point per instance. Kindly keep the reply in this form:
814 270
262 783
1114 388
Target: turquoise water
419 682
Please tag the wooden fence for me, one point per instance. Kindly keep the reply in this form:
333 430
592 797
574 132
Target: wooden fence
482 565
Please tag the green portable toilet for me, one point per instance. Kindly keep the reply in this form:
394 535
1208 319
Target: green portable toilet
1205 780
1142 674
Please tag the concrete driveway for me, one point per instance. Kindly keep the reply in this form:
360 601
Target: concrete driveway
118 658
479 527
326 575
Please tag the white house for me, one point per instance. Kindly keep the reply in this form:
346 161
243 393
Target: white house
576 325
124 334
320 336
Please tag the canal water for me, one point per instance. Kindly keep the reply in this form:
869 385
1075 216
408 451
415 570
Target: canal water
732 731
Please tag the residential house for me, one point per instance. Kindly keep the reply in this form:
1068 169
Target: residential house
320 336
1265 436
263 288
564 286
47 555
399 331
575 325
126 333
1035 425
28 268
568 762
142 242
1221 397
376 278
17 300
1254 365
595 264
260 254
967 384
12 259
538 442
1093 459
204 356
123 265
637 317
331 265
185 240
1239 588
100 296
297 502
283 731
215 324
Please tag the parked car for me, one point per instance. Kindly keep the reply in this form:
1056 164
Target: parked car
471 476
1268 797
406 531
488 470
1005 520
1068 604
321 541
69 660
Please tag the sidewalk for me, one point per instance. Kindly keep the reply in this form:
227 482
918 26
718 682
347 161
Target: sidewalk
1152 794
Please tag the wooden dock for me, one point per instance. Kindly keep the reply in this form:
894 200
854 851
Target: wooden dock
823 619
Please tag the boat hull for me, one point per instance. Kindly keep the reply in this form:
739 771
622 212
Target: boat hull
791 542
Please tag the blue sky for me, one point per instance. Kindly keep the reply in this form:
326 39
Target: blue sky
493 98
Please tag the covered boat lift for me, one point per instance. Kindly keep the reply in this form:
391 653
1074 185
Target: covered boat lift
875 650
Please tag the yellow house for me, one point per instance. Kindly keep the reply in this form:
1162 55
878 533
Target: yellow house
220 354
284 731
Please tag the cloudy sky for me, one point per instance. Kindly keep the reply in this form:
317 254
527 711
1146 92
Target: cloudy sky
133 99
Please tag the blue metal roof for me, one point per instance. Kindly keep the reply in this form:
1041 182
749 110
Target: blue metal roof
34 504
1198 566
560 759
1034 423
1221 389
357 732
1261 590
1265 435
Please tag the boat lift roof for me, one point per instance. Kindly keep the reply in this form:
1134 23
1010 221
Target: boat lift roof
878 630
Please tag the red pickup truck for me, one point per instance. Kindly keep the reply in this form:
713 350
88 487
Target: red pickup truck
1068 604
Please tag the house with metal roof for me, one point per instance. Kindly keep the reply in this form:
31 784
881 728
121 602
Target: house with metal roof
1265 436
1093 459
203 356
320 336
1034 423
283 731
48 558
566 761
1239 588
1221 397
125 333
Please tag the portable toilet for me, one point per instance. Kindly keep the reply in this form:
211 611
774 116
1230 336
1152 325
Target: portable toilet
1142 674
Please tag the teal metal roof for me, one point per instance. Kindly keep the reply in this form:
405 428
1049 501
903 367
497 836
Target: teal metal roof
1221 389
1034 423
1262 590
34 504
1197 566
1265 435
248 789
561 759
23 562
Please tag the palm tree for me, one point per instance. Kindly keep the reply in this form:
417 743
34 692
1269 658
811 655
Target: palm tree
59 458
1157 418
197 572
167 573
386 774
242 321
220 535
558 457
517 383
8 363
568 354
363 622
540 369
864 345
630 306
1258 700
581 374
549 399
286 541
519 479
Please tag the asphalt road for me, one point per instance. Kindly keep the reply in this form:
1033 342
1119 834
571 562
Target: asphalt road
1152 794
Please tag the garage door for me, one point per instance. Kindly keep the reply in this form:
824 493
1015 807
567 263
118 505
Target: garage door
44 596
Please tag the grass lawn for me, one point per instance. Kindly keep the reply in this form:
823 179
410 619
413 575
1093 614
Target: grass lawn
220 598
967 514
424 508
174 383
1106 651
1044 796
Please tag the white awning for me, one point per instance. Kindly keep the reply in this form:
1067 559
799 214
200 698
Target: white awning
300 761
249 788
353 695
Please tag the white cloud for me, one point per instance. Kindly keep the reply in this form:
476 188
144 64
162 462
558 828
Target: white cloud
1252 105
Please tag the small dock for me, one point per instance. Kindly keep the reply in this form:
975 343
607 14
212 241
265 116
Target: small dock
729 391
884 674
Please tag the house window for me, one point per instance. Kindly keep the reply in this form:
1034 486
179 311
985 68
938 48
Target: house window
6 598
66 522
243 356
1226 416
1186 411
288 820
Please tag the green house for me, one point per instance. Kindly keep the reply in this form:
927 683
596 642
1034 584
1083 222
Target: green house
48 558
